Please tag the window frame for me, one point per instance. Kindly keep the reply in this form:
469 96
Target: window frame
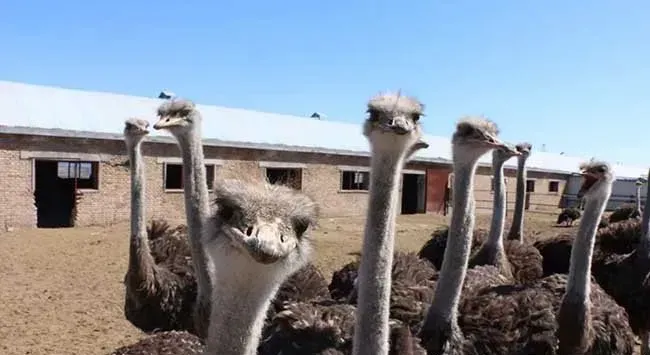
364 172
534 183
94 172
181 189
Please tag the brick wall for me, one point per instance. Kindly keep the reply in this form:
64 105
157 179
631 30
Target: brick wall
16 191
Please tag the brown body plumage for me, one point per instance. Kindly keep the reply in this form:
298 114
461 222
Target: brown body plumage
165 343
624 212
163 300
326 328
568 216
617 238
407 269
522 319
434 248
625 278
522 263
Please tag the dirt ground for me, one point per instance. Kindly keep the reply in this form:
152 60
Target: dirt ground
61 290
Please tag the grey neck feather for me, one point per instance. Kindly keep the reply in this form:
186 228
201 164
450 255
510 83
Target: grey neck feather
579 278
495 238
371 333
197 210
643 249
459 242
140 260
517 227
239 310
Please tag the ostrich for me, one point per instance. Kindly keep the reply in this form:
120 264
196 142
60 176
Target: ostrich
160 282
535 318
183 121
517 228
434 249
568 215
626 278
394 133
255 238
158 295
629 211
473 138
515 260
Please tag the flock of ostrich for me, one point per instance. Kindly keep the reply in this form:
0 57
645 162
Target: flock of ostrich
237 279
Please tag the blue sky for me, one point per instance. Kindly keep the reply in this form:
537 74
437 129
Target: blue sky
573 76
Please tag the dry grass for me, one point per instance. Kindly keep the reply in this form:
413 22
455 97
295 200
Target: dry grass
61 289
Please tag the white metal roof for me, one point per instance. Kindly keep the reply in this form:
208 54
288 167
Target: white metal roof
35 106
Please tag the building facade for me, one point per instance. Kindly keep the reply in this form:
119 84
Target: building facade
76 179
63 161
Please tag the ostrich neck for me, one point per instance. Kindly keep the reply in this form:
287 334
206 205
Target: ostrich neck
372 331
583 246
495 238
197 207
517 227
638 198
459 241
239 307
140 259
574 317
643 249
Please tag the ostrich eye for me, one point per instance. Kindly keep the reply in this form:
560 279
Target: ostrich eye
373 115
415 117
184 113
226 212
300 226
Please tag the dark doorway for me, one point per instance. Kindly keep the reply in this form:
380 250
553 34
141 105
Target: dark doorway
285 176
55 185
413 193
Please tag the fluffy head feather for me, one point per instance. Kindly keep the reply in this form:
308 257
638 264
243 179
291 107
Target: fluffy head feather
595 166
480 123
176 108
395 102
267 201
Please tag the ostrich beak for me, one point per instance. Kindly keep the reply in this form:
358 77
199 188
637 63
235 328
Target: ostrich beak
420 144
511 150
495 142
588 181
167 122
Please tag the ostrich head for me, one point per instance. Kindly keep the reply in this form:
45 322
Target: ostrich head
524 148
474 137
135 129
267 224
505 153
178 116
640 181
597 179
393 124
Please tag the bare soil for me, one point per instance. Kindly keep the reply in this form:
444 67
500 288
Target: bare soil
61 290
